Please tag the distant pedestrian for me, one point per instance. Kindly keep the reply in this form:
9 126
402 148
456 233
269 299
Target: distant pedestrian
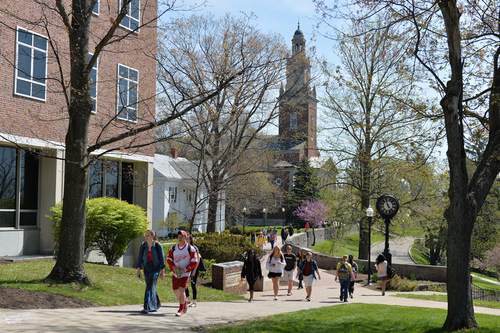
300 256
284 235
252 237
151 257
275 265
272 238
354 266
261 240
182 259
291 264
290 230
252 271
309 268
344 274
381 266
307 226
194 275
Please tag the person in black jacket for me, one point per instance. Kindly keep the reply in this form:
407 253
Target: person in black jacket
252 271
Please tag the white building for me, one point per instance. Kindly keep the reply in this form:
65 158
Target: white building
176 193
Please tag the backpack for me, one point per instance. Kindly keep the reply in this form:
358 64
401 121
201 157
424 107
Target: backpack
344 271
390 271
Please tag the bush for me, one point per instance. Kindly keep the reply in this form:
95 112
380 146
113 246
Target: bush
401 284
111 224
225 247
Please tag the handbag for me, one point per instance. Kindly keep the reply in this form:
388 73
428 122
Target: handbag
390 272
202 267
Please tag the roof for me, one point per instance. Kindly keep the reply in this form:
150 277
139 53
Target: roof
163 168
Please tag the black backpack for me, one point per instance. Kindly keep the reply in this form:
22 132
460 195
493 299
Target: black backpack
390 271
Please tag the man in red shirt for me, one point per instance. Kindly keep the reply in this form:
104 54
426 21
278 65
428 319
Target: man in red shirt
181 259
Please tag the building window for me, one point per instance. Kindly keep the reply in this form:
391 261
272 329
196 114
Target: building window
95 10
131 19
189 195
93 85
278 200
128 82
172 194
111 179
31 65
18 188
293 121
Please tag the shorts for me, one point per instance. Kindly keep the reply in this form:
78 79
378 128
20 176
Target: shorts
273 275
383 278
308 280
180 282
288 275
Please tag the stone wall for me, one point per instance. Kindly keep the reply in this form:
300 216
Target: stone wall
227 277
305 240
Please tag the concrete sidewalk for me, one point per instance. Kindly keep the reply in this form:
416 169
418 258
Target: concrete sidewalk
128 319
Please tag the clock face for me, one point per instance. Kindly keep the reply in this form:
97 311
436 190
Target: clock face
387 205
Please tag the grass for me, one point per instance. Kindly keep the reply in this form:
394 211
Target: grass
112 285
420 253
444 298
346 245
358 318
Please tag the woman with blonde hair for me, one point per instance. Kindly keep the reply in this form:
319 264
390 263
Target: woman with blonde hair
275 265
152 258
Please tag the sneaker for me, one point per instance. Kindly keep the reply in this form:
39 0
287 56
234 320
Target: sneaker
341 298
179 313
192 305
185 306
275 298
346 300
289 294
144 312
308 298
351 295
383 294
250 301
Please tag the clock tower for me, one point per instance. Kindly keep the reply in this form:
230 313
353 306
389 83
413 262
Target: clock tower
298 106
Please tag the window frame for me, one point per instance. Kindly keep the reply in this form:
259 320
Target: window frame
104 163
31 81
96 69
128 17
293 121
96 8
120 108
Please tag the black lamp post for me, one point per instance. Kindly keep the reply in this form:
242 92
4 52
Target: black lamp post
369 214
264 212
283 211
387 252
244 219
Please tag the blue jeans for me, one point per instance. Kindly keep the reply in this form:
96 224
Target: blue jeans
344 288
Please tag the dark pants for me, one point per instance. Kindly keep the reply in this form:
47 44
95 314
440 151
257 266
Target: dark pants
194 279
344 288
351 287
151 298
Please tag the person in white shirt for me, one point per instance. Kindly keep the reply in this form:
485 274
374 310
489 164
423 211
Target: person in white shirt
275 264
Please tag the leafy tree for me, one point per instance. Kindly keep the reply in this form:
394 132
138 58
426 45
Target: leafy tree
221 132
491 261
313 211
305 188
459 46
373 101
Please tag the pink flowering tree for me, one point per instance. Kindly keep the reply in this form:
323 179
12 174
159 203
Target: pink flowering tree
313 211
491 261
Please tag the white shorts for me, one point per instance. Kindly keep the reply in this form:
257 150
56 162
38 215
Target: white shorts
288 275
308 280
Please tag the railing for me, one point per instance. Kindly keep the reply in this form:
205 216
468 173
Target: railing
481 294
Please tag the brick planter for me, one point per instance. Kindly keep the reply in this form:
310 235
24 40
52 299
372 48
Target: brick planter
227 276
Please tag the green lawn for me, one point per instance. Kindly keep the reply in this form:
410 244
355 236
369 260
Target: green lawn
358 318
444 298
346 245
112 285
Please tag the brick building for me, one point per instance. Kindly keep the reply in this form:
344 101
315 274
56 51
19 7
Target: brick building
34 79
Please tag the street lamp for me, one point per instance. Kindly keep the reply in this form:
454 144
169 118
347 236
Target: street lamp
369 214
264 211
244 219
283 211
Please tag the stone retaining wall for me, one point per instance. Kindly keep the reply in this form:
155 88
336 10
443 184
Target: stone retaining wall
305 240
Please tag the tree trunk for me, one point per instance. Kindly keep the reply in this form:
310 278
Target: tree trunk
70 266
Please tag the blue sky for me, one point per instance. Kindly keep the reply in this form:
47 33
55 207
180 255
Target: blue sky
279 16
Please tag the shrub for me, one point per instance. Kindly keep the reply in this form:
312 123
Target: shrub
225 247
401 284
111 224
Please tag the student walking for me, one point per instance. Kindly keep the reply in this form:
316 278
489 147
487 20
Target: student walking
261 240
193 276
300 256
291 264
381 266
275 264
151 257
354 266
252 271
182 259
309 268
344 274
